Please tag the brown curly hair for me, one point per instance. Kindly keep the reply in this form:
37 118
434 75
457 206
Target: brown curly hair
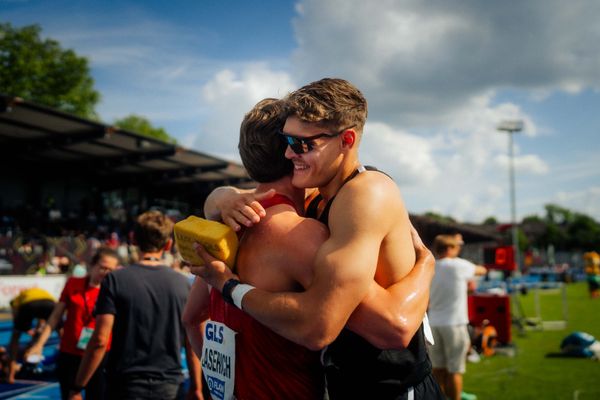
331 102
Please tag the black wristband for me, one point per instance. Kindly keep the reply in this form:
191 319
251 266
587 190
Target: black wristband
77 389
228 288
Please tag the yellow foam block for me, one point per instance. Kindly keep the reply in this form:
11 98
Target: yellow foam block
219 239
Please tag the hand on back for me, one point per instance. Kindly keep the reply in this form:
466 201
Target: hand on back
243 209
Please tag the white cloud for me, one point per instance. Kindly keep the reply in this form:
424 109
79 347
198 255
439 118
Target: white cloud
417 61
406 157
229 95
526 164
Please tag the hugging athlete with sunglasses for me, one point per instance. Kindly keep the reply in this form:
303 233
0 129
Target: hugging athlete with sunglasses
301 145
364 269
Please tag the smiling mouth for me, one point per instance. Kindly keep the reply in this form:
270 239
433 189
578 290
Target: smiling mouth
300 167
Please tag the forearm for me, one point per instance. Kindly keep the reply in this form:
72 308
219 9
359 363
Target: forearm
52 323
283 314
41 340
195 335
92 357
389 318
303 318
216 197
195 313
95 350
193 363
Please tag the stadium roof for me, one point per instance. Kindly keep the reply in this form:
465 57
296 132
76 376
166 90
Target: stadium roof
50 141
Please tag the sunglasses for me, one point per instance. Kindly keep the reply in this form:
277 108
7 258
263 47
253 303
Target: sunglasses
300 145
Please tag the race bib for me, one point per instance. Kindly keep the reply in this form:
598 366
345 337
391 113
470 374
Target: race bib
218 360
84 337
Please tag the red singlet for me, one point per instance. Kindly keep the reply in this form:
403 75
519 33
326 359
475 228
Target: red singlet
268 366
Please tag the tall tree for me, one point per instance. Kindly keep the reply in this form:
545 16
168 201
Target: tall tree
141 125
564 229
490 221
40 70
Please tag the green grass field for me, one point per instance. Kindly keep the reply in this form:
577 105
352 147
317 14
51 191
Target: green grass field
532 375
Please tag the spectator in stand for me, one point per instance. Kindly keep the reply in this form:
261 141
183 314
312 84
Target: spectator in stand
30 304
142 306
448 315
78 300
113 240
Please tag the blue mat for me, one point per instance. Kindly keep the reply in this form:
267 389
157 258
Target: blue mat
30 390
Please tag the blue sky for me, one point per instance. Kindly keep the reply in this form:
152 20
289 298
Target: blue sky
439 77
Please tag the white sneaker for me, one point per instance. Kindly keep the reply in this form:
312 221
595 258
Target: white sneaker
473 357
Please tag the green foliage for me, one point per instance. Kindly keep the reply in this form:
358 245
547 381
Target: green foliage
532 219
41 71
523 240
490 221
583 232
141 125
562 228
568 230
439 217
557 214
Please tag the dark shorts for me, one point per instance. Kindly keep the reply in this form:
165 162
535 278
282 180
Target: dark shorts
141 389
67 366
427 389
40 309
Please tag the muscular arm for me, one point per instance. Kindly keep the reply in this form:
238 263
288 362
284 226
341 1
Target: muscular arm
389 318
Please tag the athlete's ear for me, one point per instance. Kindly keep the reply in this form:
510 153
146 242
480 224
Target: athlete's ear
348 137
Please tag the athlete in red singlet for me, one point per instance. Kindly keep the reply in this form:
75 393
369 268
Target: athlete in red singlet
287 370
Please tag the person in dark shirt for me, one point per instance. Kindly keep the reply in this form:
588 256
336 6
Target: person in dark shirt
142 306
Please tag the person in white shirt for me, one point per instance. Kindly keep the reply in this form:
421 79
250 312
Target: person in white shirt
448 314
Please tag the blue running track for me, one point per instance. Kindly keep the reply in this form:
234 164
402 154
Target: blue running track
45 387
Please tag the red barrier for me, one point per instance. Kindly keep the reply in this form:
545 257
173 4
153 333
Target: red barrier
494 308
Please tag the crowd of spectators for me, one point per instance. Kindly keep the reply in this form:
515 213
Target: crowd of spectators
49 241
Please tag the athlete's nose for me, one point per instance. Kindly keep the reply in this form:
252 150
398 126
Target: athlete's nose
289 153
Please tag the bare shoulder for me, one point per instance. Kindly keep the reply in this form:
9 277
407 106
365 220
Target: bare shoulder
283 223
287 243
369 194
283 228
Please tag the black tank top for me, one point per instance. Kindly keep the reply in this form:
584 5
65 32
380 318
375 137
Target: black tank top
356 369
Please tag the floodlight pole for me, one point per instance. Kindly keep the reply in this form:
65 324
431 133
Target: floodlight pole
512 127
